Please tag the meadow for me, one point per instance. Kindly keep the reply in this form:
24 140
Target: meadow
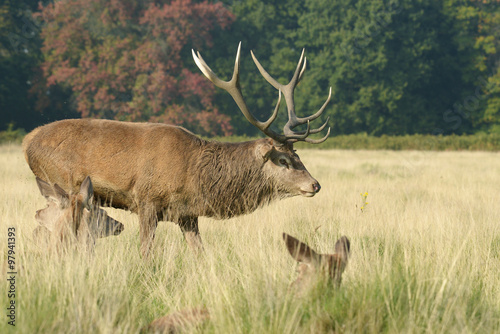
425 255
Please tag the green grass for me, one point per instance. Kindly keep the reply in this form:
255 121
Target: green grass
475 142
425 255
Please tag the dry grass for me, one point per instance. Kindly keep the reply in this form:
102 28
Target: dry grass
425 255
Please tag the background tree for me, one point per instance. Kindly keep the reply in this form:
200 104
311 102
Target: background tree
123 59
393 65
488 42
18 50
25 101
478 23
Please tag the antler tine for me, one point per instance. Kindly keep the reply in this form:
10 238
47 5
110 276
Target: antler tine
318 141
207 71
233 88
298 135
288 88
303 69
313 131
266 75
275 113
303 120
312 141
299 71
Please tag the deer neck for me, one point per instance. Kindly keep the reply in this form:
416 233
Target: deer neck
232 181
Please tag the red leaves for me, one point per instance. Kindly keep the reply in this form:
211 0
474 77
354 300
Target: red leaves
122 59
195 84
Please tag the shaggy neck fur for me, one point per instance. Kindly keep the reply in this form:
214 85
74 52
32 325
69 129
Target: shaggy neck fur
232 181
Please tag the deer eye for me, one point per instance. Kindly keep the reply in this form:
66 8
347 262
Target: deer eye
283 162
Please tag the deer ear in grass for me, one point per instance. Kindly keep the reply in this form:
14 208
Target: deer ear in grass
300 251
343 248
314 264
53 192
87 192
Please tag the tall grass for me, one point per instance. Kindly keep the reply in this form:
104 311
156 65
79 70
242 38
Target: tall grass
425 255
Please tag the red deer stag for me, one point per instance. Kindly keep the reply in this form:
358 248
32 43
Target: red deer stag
164 172
74 216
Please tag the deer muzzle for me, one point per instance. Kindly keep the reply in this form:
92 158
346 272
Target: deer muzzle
311 190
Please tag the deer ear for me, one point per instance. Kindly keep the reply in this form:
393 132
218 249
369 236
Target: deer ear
343 248
265 149
87 192
52 193
300 251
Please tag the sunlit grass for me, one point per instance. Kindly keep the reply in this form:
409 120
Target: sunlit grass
425 255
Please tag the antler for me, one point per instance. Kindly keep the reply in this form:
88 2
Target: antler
233 88
288 90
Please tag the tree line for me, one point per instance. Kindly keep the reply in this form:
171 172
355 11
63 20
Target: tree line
396 67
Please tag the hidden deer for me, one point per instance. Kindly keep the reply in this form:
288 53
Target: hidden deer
72 217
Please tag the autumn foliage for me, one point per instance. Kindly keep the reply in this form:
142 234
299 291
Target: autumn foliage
396 67
124 60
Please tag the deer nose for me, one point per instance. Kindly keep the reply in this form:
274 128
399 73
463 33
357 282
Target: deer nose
316 187
118 227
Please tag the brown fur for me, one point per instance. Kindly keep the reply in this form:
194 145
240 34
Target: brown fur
164 172
232 183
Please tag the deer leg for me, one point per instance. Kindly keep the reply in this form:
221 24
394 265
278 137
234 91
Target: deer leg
148 221
189 228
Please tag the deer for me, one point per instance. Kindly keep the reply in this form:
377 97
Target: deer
312 268
73 217
166 173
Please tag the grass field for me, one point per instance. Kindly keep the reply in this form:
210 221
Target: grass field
425 255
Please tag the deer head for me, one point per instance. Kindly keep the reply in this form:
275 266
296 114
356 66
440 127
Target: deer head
284 163
69 216
318 266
